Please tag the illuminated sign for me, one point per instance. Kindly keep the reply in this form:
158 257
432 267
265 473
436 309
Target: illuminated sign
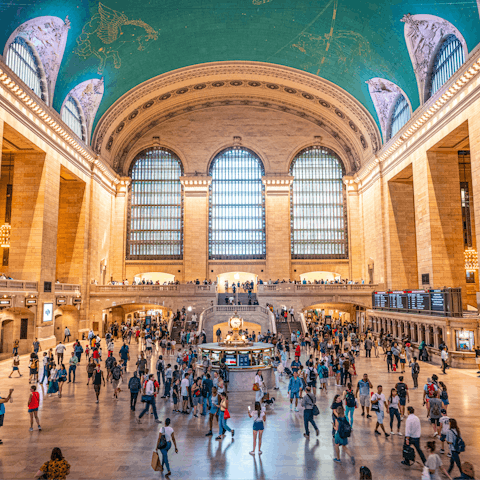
47 312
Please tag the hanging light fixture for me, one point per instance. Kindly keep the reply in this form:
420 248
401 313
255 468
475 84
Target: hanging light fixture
5 235
471 259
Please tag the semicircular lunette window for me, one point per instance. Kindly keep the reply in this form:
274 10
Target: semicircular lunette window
71 116
155 223
400 116
21 60
236 206
448 60
318 205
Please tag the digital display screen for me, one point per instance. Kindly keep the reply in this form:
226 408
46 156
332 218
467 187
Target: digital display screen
418 300
148 320
380 300
47 312
243 360
397 300
438 300
231 360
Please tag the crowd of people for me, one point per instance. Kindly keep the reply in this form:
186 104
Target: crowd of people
309 364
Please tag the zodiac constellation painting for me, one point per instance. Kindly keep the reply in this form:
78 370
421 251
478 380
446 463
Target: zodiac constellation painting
107 31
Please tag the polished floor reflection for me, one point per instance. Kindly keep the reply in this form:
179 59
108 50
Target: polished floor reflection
103 441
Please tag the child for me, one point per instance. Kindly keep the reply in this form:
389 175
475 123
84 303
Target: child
445 425
15 366
176 395
87 350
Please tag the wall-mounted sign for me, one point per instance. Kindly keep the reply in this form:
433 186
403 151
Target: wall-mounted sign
30 301
61 301
77 301
6 302
47 312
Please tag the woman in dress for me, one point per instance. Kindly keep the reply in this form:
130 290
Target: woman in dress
62 378
222 421
261 386
53 381
57 468
259 420
403 360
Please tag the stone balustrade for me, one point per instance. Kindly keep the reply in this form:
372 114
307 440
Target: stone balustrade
7 286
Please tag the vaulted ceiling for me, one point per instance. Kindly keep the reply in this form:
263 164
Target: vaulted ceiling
344 41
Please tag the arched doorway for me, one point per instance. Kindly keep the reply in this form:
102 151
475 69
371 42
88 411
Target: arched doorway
237 278
313 277
160 277
66 316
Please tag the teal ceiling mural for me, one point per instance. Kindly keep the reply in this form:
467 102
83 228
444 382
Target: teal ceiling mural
345 41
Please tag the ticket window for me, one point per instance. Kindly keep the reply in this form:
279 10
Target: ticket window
465 340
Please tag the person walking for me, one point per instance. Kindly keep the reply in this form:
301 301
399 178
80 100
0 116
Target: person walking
15 366
57 468
52 381
222 421
60 350
363 386
415 371
134 386
393 409
66 335
72 367
2 408
196 395
444 356
402 392
97 381
454 441
149 395
342 432
62 378
260 385
308 403
350 403
259 420
165 438
294 387
117 377
378 403
91 367
33 404
413 432
434 462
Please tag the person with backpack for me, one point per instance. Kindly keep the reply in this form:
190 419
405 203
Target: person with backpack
311 378
435 412
134 385
350 403
444 395
218 333
117 376
207 386
310 409
456 444
413 432
415 371
429 390
33 368
363 386
160 370
165 438
434 462
109 365
343 431
402 392
378 403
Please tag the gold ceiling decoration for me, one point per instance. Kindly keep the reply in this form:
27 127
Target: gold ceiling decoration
471 259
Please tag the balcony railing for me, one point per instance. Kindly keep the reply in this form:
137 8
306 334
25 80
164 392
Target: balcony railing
314 288
181 288
67 287
18 285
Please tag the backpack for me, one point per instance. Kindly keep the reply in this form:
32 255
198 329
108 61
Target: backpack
160 366
435 410
134 384
444 395
416 368
350 399
204 391
34 363
431 390
459 444
401 390
344 428
116 373
325 371
312 375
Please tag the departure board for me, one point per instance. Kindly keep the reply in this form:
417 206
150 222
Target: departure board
418 300
437 298
380 300
397 300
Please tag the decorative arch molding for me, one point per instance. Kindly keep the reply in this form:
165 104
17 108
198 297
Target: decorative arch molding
384 95
48 36
423 35
88 94
351 151
273 84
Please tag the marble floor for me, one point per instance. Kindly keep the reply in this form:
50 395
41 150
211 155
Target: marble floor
103 441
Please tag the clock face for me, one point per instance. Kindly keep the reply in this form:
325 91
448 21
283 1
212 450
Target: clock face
235 322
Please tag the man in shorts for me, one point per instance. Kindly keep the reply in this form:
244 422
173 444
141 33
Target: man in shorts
184 386
294 387
403 395
435 412
97 380
117 375
379 400
364 385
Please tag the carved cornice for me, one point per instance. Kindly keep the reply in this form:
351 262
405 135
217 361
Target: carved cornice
277 184
252 75
196 185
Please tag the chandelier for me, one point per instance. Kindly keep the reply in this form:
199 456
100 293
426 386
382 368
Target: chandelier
5 235
471 259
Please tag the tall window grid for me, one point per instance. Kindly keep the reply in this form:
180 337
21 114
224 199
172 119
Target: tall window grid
155 223
72 117
21 60
236 206
318 205
400 115
448 60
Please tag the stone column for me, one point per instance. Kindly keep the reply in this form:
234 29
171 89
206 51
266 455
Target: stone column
413 332
119 231
277 224
438 217
1 140
436 341
427 335
195 226
355 229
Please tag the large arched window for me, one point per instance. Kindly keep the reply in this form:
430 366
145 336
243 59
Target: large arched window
22 61
318 207
72 117
155 221
449 59
400 116
237 206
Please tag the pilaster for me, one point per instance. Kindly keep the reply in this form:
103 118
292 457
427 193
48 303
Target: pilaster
119 232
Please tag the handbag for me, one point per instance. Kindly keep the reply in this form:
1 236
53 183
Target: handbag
145 398
256 387
162 441
226 414
315 410
156 465
426 474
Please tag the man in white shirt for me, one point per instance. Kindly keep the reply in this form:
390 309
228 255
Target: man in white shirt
413 432
444 356
60 349
292 314
150 399
378 402
184 392
66 335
